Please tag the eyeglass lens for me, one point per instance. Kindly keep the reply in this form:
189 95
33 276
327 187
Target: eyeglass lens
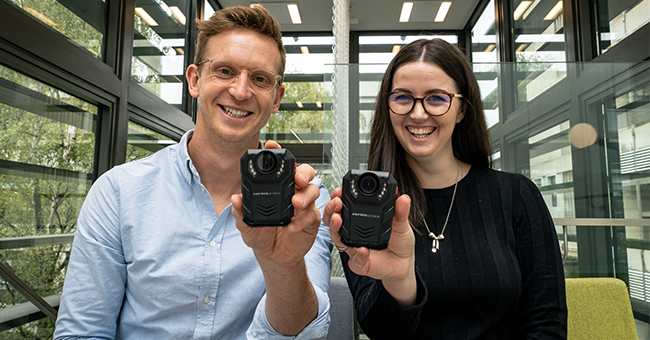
435 104
226 72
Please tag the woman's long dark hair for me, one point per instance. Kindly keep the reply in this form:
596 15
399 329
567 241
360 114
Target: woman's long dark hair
470 139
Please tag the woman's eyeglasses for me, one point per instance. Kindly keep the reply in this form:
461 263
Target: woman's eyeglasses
434 104
226 72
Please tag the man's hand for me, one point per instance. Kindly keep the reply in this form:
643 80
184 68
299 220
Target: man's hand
285 245
291 302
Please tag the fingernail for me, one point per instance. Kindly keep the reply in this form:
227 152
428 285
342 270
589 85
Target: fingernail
303 176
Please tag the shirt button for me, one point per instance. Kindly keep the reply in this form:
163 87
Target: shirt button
188 175
212 243
206 299
203 189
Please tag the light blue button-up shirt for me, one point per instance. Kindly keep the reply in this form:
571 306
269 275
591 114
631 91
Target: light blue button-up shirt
151 260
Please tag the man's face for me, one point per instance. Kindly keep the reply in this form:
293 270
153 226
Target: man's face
236 112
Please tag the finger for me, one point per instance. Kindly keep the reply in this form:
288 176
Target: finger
308 220
271 144
333 206
237 202
335 228
304 174
338 192
359 260
401 215
305 197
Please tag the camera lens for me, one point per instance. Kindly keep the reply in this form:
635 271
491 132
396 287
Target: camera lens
368 183
265 161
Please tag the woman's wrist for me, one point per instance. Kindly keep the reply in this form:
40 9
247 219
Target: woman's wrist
403 290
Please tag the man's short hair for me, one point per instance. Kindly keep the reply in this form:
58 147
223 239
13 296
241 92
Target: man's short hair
255 18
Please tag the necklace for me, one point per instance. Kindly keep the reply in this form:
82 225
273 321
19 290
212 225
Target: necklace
435 243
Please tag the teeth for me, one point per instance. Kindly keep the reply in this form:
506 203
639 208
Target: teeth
421 132
235 113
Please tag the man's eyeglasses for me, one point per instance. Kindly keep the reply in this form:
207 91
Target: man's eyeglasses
434 104
225 72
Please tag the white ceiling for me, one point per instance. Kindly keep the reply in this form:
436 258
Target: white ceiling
366 15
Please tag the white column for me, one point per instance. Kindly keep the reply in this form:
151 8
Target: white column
340 89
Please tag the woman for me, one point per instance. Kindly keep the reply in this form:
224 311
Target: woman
473 252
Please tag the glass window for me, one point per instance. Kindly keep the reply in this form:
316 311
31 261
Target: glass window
47 151
539 46
484 38
143 142
618 19
82 22
158 48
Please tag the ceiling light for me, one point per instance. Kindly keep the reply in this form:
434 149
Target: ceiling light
407 7
554 11
531 8
319 104
442 12
523 6
521 47
179 15
490 48
180 50
299 104
304 49
294 13
396 48
145 16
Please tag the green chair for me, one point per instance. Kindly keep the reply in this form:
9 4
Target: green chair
599 308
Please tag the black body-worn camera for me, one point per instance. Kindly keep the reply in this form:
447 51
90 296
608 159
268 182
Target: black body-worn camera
267 187
368 207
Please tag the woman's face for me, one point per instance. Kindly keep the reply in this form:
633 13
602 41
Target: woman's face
425 137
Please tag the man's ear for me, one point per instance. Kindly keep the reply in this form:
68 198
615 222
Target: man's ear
192 76
278 98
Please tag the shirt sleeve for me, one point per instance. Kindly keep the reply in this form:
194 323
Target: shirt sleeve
379 314
94 286
318 261
542 306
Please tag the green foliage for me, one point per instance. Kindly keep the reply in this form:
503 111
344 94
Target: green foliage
34 199
61 19
301 121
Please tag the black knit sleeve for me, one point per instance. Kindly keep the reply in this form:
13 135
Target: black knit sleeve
542 307
379 315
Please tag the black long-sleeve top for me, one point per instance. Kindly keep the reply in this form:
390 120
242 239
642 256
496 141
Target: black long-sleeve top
497 275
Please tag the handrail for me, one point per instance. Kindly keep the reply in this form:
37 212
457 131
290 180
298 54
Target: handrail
35 241
27 292
595 222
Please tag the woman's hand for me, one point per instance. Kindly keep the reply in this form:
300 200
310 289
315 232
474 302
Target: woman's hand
395 265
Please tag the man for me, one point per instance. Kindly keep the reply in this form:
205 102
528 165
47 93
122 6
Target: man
161 251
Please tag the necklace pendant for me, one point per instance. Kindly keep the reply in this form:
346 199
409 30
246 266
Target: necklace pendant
432 236
435 245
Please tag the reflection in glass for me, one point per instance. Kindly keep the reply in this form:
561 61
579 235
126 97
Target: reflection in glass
158 61
82 22
484 38
47 150
143 142
618 19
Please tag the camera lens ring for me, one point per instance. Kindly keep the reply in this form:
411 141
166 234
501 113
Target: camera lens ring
265 161
368 184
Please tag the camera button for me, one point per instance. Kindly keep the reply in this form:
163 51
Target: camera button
212 243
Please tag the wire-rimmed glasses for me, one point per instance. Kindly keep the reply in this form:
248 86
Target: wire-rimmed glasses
226 72
435 104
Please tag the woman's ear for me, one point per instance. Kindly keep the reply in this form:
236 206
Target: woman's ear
461 113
